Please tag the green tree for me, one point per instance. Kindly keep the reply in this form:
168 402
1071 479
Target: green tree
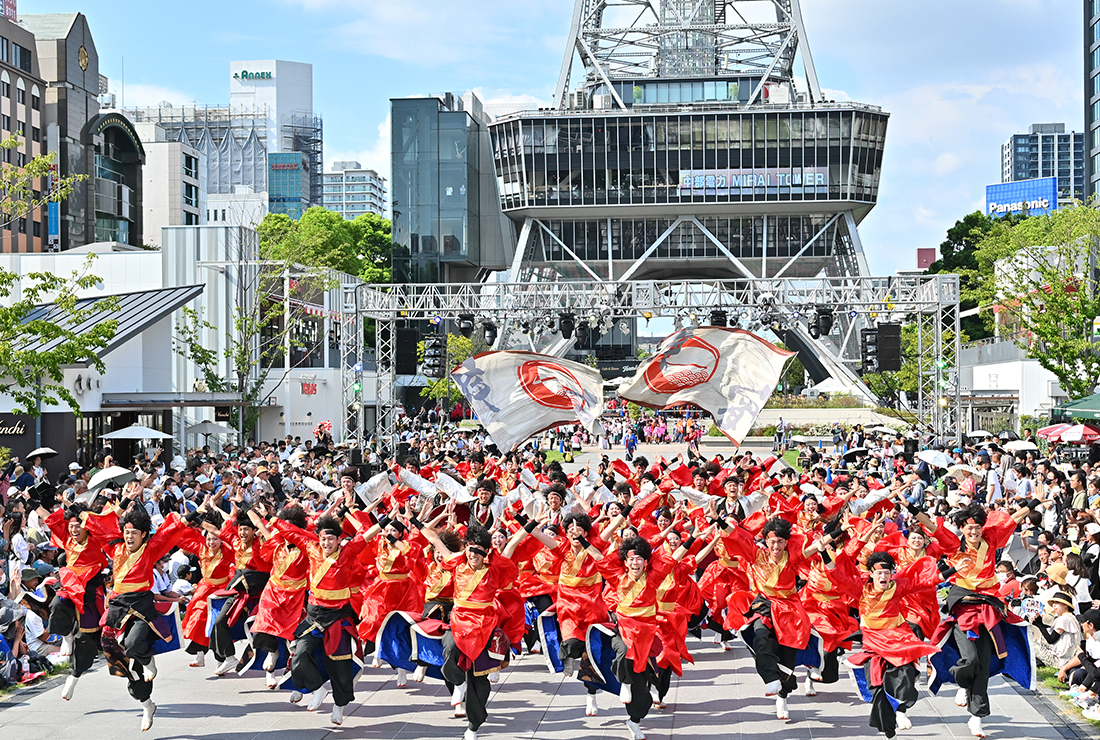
374 247
1042 285
323 238
34 351
959 256
794 374
36 346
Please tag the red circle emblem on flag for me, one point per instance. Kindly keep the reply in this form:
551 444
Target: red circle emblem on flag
683 365
550 384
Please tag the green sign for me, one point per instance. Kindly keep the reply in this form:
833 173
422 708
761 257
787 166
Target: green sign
243 75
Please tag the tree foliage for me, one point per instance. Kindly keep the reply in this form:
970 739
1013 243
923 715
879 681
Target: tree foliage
1042 286
35 351
323 238
21 187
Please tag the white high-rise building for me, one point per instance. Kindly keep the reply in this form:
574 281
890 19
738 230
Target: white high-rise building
352 191
285 89
174 187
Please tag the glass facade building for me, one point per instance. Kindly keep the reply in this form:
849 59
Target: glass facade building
1092 96
760 183
436 189
288 183
1047 151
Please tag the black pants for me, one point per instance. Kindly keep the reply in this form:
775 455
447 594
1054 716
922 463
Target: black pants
477 687
774 662
900 683
640 700
66 621
303 665
664 680
972 670
138 637
542 602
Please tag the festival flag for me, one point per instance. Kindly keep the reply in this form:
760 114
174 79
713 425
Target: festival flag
518 394
727 372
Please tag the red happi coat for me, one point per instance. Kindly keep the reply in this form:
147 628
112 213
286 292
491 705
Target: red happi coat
636 603
82 561
284 597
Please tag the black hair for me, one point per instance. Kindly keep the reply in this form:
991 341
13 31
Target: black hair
623 487
664 512
973 511
487 484
476 457
558 476
242 520
1012 568
479 536
329 523
637 545
557 488
642 461
450 540
294 514
581 520
712 468
138 518
781 528
75 510
882 557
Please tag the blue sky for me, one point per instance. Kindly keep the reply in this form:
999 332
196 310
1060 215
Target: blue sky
958 77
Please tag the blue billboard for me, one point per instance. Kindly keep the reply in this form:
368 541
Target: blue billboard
1033 196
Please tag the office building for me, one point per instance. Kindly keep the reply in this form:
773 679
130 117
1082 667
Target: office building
242 207
270 111
1092 95
101 145
447 220
175 183
1046 150
288 183
21 114
353 191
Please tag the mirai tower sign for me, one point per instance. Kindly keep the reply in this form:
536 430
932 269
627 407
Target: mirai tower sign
680 147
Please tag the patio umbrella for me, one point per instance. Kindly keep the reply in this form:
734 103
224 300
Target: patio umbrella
113 477
855 452
1046 432
210 427
978 433
1078 434
1021 445
135 431
43 452
935 458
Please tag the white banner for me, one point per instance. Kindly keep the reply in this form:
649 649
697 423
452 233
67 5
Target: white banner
518 394
727 372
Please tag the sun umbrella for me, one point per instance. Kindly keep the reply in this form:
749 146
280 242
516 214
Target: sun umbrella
978 433
935 458
1046 432
884 429
855 452
1078 434
968 469
135 431
1021 445
210 427
112 477
1007 435
800 438
43 452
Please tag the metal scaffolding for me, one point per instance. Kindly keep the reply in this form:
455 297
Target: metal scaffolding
930 302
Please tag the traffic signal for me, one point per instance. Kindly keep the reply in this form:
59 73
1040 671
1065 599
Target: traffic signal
868 351
435 356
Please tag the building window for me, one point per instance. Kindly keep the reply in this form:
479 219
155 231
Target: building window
20 159
22 226
21 57
190 219
36 133
5 122
190 166
21 96
5 89
190 194
36 102
36 228
223 214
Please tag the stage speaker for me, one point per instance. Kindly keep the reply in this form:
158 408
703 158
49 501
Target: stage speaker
405 351
889 348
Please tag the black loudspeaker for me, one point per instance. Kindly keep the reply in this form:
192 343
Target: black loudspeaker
405 351
889 348
912 446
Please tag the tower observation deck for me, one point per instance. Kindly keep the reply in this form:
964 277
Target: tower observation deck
681 146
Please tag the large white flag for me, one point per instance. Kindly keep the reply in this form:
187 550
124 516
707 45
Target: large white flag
728 372
518 394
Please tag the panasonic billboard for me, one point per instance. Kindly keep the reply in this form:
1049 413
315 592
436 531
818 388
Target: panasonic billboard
1031 196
